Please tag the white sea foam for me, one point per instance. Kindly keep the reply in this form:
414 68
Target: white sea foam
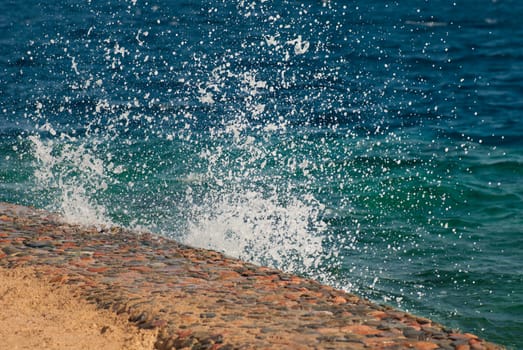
300 46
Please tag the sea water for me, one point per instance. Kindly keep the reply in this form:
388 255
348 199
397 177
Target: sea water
376 146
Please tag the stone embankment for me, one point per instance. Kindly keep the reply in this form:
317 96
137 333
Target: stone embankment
201 299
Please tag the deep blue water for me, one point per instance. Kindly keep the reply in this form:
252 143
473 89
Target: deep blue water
375 146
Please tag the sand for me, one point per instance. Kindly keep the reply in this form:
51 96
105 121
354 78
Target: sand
37 315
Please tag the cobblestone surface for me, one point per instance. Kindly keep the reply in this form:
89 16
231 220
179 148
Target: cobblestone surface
200 299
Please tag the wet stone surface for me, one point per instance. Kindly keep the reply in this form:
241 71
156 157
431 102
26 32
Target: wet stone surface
200 299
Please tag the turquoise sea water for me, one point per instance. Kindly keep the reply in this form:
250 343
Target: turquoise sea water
375 146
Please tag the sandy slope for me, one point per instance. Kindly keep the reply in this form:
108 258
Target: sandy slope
37 315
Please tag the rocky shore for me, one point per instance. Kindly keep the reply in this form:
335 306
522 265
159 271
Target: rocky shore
201 299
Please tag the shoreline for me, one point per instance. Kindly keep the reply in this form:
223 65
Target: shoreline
200 299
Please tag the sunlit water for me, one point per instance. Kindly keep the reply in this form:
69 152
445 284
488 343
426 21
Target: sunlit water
374 147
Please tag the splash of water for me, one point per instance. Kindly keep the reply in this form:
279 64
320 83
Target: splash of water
258 229
224 174
75 176
244 151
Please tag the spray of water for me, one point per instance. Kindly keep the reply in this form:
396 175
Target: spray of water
275 144
202 150
75 176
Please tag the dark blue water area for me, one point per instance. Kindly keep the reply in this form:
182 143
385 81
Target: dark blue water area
376 146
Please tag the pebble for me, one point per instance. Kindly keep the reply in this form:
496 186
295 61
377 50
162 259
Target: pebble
411 333
39 244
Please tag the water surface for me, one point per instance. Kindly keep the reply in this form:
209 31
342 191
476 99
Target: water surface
376 147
